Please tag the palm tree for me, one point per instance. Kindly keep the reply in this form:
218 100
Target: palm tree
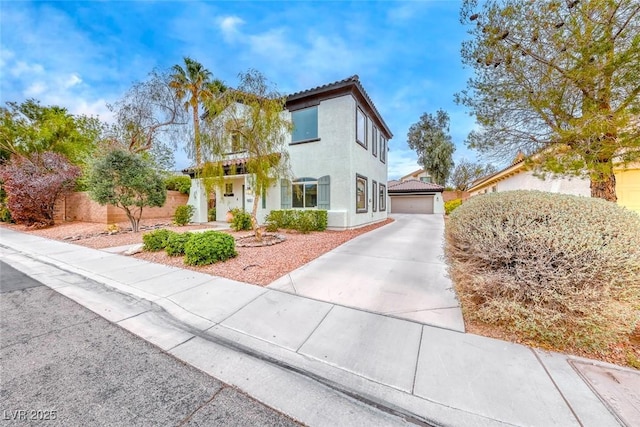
193 83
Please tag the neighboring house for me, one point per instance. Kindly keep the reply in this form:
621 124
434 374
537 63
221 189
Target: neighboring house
518 177
420 175
338 157
415 196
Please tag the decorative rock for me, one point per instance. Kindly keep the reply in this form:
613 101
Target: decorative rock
136 249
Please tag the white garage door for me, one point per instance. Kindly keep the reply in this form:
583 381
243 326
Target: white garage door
412 204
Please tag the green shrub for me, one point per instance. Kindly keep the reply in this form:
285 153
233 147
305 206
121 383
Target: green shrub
209 247
176 242
5 213
555 269
156 240
183 214
451 205
241 220
181 183
304 221
211 214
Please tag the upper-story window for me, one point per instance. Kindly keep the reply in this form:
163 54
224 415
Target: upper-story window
237 143
305 124
425 178
374 143
361 128
383 149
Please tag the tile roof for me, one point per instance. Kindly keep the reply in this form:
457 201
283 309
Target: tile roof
413 186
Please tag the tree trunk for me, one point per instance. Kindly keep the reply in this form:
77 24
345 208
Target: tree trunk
135 222
604 187
254 217
196 137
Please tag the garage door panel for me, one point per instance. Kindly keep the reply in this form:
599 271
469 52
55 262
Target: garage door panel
412 204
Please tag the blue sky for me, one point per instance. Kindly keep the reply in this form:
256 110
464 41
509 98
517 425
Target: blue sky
83 55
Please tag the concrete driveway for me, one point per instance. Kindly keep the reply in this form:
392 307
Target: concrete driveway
397 270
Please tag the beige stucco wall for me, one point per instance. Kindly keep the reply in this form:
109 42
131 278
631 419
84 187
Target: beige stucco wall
628 187
79 207
526 180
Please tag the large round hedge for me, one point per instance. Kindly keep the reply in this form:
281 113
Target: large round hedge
553 268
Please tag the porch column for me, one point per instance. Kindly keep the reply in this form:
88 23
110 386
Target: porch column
198 199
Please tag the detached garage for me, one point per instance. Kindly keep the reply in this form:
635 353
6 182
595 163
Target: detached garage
415 197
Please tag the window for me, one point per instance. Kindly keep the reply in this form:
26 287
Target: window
305 125
361 194
228 189
374 191
361 128
304 193
383 199
383 149
425 178
237 143
374 142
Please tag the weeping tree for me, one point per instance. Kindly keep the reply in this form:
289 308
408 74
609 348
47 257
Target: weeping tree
431 141
149 118
253 122
558 81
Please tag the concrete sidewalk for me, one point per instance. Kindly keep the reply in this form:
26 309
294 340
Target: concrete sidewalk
296 354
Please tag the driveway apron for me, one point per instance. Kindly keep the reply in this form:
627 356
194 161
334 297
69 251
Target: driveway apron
397 270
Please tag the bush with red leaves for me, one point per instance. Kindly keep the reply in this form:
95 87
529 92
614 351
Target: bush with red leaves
34 183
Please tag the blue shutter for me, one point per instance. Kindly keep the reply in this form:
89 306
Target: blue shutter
324 193
285 194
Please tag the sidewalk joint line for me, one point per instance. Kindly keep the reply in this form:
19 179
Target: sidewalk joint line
243 306
315 329
537 356
415 371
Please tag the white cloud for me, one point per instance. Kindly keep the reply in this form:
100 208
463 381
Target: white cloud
229 27
92 108
72 80
274 45
22 68
35 89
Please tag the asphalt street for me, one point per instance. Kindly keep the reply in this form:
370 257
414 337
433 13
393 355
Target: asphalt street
62 364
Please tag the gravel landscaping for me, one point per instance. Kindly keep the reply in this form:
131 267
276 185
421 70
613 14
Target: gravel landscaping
256 265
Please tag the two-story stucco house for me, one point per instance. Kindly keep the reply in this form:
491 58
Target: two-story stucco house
338 158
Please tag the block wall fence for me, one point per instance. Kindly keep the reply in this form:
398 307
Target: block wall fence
79 207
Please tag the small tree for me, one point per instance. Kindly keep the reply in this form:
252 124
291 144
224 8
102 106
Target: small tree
127 181
431 140
254 117
466 172
34 183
